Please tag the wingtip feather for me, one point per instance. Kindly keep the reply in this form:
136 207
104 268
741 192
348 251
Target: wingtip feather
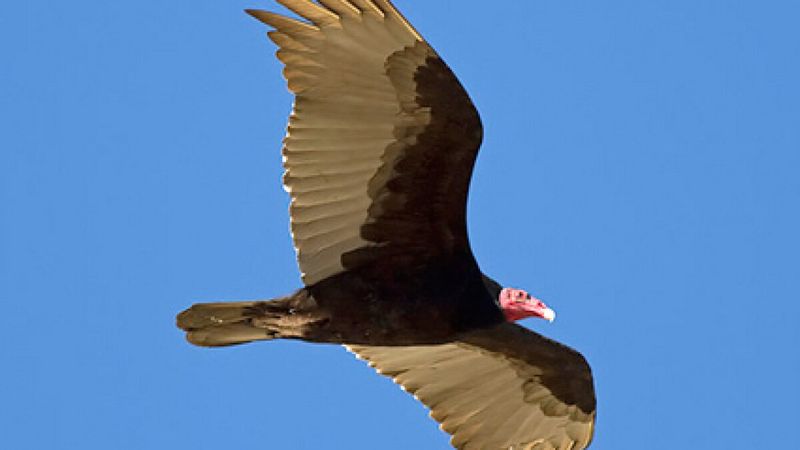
254 13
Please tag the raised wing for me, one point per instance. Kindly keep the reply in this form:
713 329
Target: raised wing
380 144
498 388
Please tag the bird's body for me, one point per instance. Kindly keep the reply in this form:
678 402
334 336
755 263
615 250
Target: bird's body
371 305
378 156
383 307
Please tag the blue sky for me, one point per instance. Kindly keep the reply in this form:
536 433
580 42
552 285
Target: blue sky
639 173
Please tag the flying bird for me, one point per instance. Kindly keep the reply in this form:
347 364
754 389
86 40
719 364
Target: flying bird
378 158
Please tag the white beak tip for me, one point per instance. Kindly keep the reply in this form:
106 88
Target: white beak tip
549 315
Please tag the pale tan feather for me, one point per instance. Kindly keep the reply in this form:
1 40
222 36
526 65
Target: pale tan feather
480 398
341 7
346 115
316 14
367 7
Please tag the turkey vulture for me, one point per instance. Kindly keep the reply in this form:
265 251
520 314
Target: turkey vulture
378 157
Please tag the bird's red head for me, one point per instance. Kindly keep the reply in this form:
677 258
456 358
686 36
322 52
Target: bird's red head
518 304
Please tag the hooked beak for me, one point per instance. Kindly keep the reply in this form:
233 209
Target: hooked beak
540 309
549 315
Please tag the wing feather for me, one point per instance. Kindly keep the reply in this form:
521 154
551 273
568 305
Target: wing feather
503 387
284 41
367 7
316 14
296 29
359 148
341 7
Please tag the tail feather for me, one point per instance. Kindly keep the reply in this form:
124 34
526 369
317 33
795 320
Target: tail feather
223 324
224 336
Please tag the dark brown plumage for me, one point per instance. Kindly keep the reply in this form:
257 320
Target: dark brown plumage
379 153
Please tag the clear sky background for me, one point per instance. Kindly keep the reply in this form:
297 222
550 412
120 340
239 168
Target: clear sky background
639 173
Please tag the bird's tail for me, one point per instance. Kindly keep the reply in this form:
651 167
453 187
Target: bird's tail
222 324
